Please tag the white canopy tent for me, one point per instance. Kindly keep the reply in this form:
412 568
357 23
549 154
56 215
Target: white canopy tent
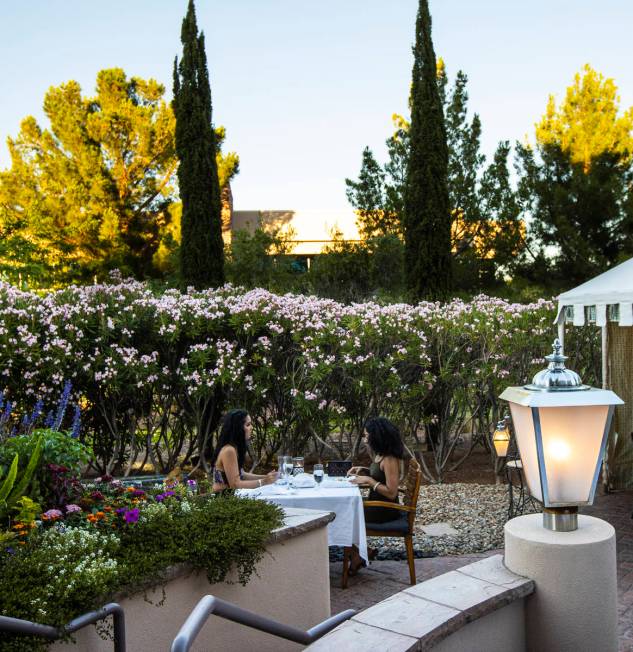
607 302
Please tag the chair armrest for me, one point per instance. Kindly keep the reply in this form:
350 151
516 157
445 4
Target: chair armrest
384 503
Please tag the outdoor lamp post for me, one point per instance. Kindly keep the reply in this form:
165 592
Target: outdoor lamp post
501 439
561 428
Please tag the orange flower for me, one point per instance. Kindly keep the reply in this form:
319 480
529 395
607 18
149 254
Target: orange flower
100 515
107 508
91 517
130 489
19 526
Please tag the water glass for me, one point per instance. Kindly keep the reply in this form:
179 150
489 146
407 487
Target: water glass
283 462
287 466
317 473
280 469
297 465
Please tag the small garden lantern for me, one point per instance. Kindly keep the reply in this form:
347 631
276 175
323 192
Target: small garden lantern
501 439
561 428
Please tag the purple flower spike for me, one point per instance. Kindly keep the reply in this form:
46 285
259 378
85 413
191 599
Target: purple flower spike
37 411
76 429
7 412
63 404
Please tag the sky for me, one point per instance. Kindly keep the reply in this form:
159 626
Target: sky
303 86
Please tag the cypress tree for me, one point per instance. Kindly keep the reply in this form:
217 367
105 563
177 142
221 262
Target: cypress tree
201 249
427 218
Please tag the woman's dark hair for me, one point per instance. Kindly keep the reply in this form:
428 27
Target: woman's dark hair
384 438
232 434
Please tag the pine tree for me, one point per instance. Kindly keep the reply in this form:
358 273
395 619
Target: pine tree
105 169
576 184
368 197
427 219
201 250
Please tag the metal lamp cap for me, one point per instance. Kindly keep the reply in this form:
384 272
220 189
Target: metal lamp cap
556 378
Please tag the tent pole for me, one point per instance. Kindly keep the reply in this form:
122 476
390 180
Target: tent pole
561 334
605 343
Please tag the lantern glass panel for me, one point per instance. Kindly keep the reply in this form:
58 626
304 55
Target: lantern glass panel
572 437
501 441
501 447
526 441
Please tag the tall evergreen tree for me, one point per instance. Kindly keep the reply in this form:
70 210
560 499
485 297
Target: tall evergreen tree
487 232
201 250
427 218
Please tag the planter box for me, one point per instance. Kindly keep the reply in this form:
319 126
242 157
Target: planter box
291 585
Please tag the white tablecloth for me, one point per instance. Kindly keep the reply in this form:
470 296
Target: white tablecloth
346 529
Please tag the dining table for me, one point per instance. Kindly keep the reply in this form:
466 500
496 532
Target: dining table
335 495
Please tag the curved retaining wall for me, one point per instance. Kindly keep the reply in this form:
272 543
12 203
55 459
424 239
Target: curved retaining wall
479 607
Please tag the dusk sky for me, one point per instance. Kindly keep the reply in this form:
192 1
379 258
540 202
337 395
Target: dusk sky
302 87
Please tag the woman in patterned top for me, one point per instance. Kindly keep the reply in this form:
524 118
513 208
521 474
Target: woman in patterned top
228 458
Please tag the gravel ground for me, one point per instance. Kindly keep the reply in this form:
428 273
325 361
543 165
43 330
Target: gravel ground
477 511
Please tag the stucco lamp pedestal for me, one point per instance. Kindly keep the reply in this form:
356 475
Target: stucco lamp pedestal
574 606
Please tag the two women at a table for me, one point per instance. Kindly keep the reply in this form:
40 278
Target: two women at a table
382 477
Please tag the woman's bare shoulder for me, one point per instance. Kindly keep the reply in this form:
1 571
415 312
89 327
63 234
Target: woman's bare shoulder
228 453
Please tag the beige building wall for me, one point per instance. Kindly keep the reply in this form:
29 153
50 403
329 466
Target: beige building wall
310 230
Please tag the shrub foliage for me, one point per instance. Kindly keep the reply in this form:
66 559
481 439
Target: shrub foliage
154 371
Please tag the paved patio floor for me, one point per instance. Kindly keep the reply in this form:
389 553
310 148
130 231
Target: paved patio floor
384 578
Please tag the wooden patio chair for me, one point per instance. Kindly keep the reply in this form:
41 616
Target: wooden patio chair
403 522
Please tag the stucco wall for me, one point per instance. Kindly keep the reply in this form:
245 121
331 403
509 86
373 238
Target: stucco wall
501 631
291 585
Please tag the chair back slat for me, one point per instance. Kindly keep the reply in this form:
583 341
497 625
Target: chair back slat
412 483
412 488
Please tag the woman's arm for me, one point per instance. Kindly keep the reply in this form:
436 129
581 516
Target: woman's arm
255 476
389 488
228 456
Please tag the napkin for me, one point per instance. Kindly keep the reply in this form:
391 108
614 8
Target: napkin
303 481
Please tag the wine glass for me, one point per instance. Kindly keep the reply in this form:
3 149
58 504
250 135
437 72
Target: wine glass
317 472
297 464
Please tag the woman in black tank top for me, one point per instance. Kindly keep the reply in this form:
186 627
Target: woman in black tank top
382 477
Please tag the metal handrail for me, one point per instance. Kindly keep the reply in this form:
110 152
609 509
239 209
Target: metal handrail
28 628
210 605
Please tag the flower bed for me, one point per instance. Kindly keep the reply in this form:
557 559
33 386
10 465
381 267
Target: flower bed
117 539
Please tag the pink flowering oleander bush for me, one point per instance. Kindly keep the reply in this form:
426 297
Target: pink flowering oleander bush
153 372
